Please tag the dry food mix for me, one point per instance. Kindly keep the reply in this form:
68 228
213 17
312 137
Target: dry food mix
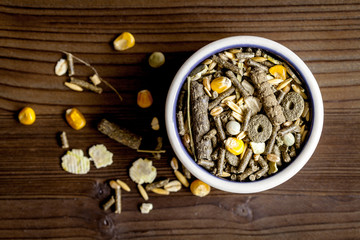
243 114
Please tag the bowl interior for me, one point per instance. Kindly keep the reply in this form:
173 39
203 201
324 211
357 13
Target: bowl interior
280 52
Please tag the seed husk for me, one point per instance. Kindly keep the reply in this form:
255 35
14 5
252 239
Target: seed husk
181 178
143 193
123 185
160 191
61 67
173 186
73 86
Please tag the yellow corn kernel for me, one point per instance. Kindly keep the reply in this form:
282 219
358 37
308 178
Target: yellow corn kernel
125 41
27 116
220 84
199 188
234 145
278 71
144 99
75 118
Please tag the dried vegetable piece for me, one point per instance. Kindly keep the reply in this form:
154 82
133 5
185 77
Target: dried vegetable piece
119 134
75 162
145 208
142 171
100 155
64 140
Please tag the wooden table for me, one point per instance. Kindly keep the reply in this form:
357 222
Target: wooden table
40 200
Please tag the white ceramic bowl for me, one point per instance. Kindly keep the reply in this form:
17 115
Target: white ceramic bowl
296 164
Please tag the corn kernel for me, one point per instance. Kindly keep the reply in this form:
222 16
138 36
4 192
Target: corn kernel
144 99
125 41
75 118
278 71
234 145
199 188
220 84
27 116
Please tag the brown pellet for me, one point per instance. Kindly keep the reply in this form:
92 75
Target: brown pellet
221 161
180 121
245 161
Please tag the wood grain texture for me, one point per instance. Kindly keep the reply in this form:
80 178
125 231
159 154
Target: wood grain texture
39 200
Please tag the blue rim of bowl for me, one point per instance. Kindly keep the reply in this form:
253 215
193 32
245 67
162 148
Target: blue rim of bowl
218 50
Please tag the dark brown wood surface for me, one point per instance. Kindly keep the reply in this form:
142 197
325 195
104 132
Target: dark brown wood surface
40 200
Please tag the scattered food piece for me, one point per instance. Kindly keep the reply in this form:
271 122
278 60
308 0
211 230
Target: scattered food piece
86 85
156 59
27 116
155 124
75 118
119 134
100 155
95 79
61 67
143 192
144 99
73 86
175 166
142 171
109 203
145 208
123 185
75 162
160 191
125 41
114 185
64 140
173 186
199 188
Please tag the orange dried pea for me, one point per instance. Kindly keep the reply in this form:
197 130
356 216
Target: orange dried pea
144 99
278 71
199 188
27 116
75 118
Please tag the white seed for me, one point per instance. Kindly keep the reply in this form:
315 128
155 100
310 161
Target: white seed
61 67
73 86
155 124
288 139
233 127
